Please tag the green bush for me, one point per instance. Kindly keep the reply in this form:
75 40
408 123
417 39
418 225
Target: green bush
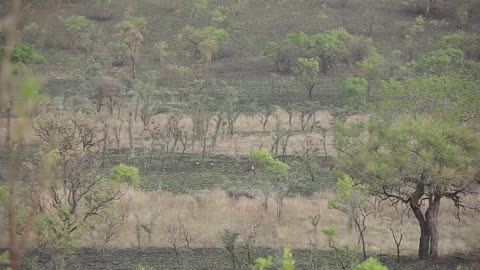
125 173
26 54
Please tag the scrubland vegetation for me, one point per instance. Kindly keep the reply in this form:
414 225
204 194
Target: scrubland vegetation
239 134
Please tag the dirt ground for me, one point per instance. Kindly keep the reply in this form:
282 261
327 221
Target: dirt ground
212 259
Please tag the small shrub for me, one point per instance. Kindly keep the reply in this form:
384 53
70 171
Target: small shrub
125 173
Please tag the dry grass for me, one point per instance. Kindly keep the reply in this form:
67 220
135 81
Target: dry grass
205 215
248 134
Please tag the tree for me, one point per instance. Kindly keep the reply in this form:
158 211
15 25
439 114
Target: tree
452 96
442 61
286 52
89 40
371 68
419 162
130 33
75 26
80 191
25 54
353 200
467 42
161 50
276 172
308 72
329 47
148 97
203 42
109 89
354 90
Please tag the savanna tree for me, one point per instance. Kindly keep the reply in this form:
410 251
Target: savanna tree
418 162
422 150
330 47
371 68
354 91
148 98
285 53
308 69
203 42
130 34
354 201
276 173
75 26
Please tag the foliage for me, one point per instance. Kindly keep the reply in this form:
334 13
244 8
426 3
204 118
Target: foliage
127 174
262 263
161 50
199 5
203 42
346 256
287 262
468 43
353 200
26 54
411 159
3 194
371 66
74 23
371 264
4 258
148 96
308 72
74 26
265 157
354 90
330 46
449 96
448 60
130 34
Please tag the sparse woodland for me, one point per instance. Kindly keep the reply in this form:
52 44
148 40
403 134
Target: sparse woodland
239 134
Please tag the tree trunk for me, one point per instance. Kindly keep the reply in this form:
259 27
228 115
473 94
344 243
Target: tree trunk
134 63
131 153
432 223
430 8
428 245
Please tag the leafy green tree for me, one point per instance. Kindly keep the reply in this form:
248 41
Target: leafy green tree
330 47
308 72
285 53
148 97
130 34
354 90
353 200
419 162
125 173
413 37
75 26
452 97
275 174
442 61
467 42
203 42
371 68
26 54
